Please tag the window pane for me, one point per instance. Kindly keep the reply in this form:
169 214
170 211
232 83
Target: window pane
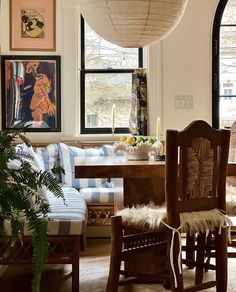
227 36
100 54
227 111
101 92
229 16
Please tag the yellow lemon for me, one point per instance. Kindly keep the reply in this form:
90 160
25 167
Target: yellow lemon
130 141
123 138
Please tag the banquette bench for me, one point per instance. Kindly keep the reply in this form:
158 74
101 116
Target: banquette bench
100 195
88 202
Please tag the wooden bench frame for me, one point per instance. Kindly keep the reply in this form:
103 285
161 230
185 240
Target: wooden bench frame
62 250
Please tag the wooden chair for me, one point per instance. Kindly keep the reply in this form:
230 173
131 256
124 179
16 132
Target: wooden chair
232 144
230 200
196 165
231 192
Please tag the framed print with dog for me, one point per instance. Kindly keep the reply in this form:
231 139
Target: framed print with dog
32 25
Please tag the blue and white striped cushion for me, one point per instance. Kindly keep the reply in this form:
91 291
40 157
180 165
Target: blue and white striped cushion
98 195
28 154
67 155
107 149
49 155
69 219
63 219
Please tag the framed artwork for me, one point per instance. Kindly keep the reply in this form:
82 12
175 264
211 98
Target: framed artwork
32 25
31 95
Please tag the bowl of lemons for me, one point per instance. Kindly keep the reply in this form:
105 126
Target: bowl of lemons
138 147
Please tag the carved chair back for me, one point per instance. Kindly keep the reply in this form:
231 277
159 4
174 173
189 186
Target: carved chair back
196 167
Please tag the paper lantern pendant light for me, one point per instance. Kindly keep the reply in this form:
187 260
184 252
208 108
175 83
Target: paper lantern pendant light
132 23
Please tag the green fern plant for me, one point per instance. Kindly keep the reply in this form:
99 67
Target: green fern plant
18 188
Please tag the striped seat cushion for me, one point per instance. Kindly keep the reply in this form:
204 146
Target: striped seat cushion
98 195
69 219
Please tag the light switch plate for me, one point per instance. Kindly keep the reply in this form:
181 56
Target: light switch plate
184 102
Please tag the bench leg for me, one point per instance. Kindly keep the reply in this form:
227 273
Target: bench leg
75 264
83 242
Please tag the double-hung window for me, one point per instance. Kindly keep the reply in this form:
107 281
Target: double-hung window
106 80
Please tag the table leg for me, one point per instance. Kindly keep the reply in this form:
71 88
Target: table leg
142 191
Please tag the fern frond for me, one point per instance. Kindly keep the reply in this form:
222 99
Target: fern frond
40 252
51 182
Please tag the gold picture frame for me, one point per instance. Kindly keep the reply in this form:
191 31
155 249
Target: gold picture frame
32 25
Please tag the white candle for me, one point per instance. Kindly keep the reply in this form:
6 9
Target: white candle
113 117
158 126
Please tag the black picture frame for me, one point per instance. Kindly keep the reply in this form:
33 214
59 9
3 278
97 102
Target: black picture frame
31 93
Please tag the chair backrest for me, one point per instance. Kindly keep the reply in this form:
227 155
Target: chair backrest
196 167
232 144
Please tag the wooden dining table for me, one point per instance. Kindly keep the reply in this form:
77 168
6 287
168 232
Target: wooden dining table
143 180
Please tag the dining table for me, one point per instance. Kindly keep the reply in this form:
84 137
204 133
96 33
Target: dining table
143 180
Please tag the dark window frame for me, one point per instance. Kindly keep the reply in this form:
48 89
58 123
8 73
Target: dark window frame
216 63
83 73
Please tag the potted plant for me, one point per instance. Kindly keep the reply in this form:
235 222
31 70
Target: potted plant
20 183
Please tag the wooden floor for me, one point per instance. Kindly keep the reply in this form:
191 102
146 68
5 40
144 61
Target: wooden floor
94 267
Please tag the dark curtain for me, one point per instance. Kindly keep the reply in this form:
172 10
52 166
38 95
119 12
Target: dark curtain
138 113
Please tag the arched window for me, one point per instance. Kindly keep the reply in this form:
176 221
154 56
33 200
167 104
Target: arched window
224 65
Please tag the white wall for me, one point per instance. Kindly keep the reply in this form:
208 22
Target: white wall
178 65
186 65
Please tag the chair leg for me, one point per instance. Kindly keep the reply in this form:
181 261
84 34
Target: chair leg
200 259
179 276
190 255
75 263
221 261
116 250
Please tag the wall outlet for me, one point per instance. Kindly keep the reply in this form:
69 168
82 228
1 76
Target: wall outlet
184 102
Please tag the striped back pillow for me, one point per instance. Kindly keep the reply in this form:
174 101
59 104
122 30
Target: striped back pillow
67 155
108 151
49 155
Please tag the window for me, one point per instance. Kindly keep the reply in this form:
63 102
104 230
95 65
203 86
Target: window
106 79
224 65
92 120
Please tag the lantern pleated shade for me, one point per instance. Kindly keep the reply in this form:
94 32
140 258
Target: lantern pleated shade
132 23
